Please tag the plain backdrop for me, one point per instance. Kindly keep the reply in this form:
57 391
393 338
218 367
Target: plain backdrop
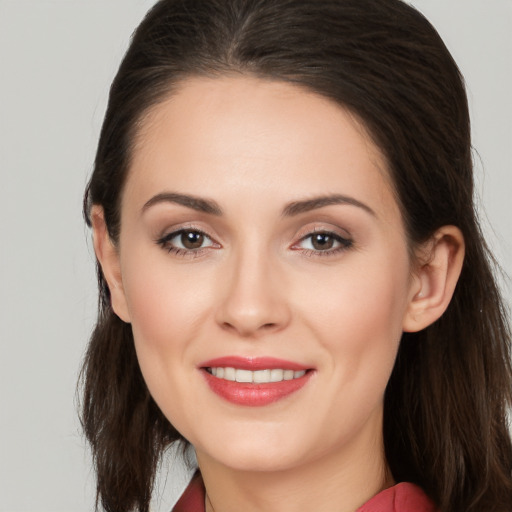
57 59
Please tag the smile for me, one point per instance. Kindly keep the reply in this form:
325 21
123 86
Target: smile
257 377
254 382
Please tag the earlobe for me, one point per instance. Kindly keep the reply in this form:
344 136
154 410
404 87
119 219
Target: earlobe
108 257
439 267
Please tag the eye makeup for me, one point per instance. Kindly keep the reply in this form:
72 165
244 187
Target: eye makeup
194 242
322 243
187 241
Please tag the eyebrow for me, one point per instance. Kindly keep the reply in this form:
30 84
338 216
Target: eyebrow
195 203
295 208
298 207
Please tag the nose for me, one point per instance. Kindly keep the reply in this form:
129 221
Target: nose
254 299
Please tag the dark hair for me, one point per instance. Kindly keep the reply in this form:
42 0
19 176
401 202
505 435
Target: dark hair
446 404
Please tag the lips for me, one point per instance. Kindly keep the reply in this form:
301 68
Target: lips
254 381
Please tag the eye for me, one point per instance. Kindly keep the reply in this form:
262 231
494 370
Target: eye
323 242
186 241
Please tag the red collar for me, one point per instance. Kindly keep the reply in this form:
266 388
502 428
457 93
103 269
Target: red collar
403 497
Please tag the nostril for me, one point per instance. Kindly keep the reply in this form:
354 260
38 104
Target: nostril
228 326
244 329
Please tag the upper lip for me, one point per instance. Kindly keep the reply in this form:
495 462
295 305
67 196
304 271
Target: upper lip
253 363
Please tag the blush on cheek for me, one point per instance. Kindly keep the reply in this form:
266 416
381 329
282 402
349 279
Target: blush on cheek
167 314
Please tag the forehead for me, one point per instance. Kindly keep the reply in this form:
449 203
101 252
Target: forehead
255 136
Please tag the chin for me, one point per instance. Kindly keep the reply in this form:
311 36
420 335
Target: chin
256 450
255 460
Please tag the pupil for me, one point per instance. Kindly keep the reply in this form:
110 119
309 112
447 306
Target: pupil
322 242
192 240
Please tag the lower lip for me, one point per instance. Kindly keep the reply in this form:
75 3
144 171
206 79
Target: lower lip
254 395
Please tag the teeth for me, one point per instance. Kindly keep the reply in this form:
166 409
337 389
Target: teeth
243 376
261 376
276 375
229 374
258 376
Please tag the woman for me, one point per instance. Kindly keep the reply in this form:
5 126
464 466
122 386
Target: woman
292 277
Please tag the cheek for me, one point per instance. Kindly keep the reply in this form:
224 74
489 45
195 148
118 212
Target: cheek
359 299
165 301
167 309
358 318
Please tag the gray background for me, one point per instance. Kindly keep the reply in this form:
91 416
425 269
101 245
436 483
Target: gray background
57 59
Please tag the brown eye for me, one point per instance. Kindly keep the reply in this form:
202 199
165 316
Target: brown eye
322 241
192 239
186 241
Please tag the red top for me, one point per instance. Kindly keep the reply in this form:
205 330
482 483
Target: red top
403 497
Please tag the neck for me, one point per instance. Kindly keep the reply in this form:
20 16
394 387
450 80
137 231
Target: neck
341 481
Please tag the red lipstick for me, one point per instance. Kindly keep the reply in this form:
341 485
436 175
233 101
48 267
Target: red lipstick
252 363
254 382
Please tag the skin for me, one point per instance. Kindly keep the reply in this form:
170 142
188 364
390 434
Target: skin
258 287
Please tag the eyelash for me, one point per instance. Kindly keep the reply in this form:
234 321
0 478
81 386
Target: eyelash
344 244
165 243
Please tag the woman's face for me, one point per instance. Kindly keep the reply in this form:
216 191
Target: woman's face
261 241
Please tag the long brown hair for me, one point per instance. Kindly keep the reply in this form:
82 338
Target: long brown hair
446 404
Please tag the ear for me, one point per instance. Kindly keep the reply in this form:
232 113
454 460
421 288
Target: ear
108 257
440 262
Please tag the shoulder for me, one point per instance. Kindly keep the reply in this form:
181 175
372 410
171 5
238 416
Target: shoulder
403 497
